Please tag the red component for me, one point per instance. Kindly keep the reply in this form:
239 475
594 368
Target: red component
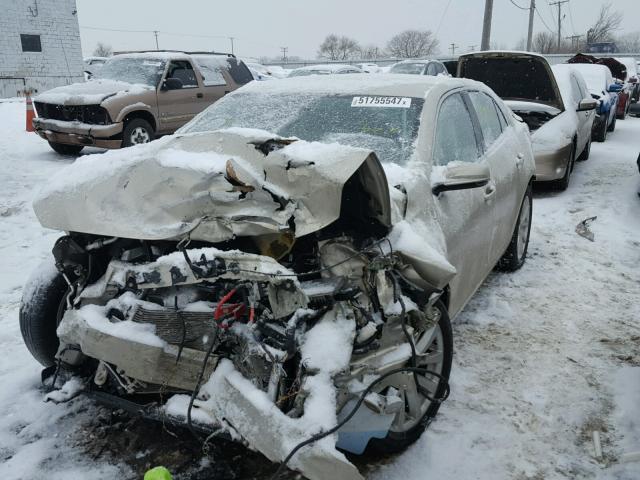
223 300
252 313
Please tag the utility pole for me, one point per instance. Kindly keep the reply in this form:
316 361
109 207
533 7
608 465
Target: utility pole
155 32
486 25
453 49
559 3
231 39
532 11
472 48
284 53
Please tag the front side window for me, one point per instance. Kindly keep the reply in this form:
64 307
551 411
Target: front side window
432 69
455 137
487 114
30 43
183 71
575 91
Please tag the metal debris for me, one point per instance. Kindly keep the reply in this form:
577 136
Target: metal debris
582 229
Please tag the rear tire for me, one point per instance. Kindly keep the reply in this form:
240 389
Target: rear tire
42 304
601 134
586 153
396 442
137 131
516 253
67 150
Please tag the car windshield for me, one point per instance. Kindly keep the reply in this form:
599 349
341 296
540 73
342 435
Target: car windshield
305 73
385 124
413 68
146 71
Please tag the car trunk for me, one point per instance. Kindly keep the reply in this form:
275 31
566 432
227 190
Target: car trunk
514 76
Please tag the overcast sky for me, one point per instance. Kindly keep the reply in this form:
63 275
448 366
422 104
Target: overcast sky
261 27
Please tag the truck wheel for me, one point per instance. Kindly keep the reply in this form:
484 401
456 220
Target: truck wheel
43 303
64 149
436 355
137 131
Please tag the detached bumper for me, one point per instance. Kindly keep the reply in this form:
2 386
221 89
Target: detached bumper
551 164
77 133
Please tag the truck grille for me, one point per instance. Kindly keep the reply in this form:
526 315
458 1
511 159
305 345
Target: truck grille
91 114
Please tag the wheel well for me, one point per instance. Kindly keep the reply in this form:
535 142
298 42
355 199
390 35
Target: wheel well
143 115
446 294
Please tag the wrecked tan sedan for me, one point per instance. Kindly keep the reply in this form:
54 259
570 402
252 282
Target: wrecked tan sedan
283 270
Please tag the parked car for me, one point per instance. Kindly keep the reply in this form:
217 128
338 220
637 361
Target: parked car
262 72
632 79
602 87
328 69
560 123
369 67
420 67
134 98
298 246
92 65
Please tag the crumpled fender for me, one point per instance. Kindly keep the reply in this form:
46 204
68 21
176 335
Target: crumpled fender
213 185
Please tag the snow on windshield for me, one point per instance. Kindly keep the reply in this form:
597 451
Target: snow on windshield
146 71
385 124
412 68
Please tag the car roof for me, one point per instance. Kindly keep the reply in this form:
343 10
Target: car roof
327 66
353 84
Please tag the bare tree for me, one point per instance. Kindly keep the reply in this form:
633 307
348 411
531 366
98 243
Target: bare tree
544 42
337 47
370 52
103 50
629 42
607 23
413 44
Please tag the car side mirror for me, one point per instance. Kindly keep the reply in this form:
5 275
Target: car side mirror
462 177
586 104
614 88
172 84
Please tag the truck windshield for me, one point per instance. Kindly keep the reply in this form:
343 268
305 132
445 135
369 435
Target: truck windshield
145 71
385 124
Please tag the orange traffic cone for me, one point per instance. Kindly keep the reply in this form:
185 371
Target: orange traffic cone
30 114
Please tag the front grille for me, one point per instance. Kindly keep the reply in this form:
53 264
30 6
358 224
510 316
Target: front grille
196 328
91 114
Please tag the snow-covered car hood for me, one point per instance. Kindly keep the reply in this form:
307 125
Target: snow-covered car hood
92 92
213 186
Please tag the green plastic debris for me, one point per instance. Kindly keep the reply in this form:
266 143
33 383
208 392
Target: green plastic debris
158 473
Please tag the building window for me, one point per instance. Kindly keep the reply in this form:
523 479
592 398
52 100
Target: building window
30 43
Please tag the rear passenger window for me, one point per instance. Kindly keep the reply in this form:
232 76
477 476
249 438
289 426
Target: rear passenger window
488 117
183 71
210 69
455 138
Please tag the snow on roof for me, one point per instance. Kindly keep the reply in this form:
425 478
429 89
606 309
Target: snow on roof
332 67
596 76
351 84
630 63
503 52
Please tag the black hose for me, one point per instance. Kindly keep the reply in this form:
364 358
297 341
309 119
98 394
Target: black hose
321 435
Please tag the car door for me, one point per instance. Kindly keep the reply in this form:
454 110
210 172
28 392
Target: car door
585 119
466 216
177 107
505 160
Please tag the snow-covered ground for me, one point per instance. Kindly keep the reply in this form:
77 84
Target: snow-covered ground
544 356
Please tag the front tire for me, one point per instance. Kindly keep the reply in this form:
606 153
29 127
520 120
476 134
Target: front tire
563 183
601 134
612 127
399 439
136 132
66 150
43 301
516 253
586 153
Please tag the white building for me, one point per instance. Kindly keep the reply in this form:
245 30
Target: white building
39 45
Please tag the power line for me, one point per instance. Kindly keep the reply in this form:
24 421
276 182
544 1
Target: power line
518 6
573 27
542 20
559 4
442 17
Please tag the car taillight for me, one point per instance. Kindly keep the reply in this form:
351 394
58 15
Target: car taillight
633 80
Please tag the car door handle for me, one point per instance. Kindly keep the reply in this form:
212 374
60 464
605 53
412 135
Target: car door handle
519 159
489 191
199 95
